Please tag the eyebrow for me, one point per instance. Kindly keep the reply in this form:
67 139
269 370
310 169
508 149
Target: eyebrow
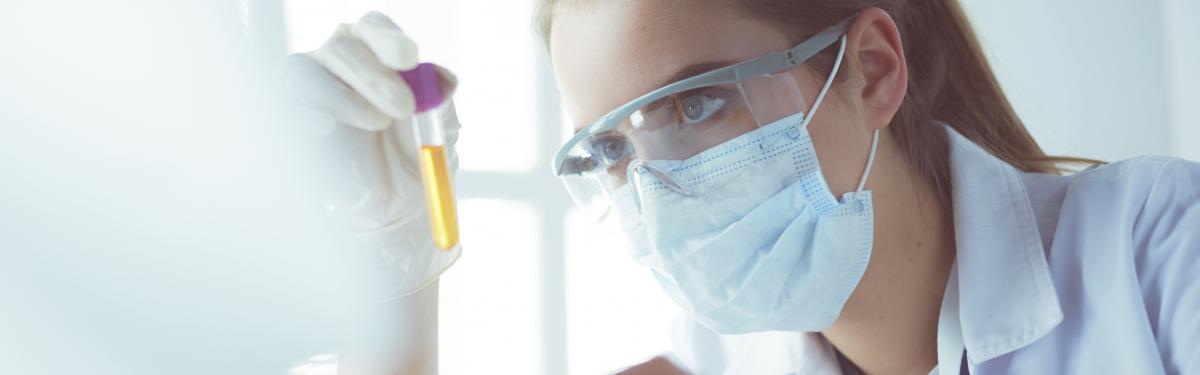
682 74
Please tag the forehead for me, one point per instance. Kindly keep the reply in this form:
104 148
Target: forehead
607 52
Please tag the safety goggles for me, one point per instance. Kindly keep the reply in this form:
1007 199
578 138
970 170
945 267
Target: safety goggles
684 118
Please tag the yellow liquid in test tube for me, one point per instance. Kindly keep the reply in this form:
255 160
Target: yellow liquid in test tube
443 218
429 134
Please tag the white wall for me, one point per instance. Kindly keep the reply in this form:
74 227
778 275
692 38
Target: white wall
1183 60
1106 79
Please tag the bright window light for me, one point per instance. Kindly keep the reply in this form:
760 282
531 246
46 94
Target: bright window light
310 22
617 316
489 314
496 100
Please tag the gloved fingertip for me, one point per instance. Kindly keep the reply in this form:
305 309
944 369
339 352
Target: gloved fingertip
389 43
371 14
342 30
396 99
378 18
396 52
406 56
306 79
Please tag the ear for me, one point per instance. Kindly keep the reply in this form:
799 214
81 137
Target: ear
875 56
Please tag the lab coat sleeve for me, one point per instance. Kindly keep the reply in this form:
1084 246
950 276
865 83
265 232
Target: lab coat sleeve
1166 237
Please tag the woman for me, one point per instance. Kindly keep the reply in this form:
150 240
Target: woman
831 186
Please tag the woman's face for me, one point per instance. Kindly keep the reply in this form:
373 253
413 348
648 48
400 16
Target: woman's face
606 53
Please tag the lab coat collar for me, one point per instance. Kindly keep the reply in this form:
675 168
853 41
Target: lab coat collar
1006 299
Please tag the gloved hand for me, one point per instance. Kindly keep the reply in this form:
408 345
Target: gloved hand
354 78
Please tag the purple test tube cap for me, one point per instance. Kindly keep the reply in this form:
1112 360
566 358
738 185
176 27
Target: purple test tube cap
426 86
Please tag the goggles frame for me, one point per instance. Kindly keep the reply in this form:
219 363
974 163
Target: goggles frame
566 165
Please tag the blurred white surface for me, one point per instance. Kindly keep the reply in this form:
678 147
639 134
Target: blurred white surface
490 309
150 215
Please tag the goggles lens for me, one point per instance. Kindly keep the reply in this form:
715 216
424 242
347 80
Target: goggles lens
675 126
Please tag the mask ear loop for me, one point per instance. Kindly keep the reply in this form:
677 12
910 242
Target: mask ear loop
862 182
837 66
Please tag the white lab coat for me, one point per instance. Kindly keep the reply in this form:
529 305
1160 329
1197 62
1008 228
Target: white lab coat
1092 273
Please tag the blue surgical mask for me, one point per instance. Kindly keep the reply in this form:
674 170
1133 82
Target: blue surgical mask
753 240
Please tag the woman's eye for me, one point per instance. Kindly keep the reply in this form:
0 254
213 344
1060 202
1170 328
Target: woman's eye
699 107
610 148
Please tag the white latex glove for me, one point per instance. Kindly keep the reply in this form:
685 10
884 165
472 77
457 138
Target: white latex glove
354 78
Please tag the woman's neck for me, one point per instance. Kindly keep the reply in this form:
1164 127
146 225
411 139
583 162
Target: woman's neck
889 324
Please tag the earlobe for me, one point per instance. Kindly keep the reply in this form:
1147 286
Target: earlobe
878 56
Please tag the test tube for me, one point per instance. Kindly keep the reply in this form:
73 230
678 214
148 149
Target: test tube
431 143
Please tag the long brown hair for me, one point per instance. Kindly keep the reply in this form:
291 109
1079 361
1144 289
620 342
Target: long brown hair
949 80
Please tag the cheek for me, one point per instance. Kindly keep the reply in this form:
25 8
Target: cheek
835 132
841 149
